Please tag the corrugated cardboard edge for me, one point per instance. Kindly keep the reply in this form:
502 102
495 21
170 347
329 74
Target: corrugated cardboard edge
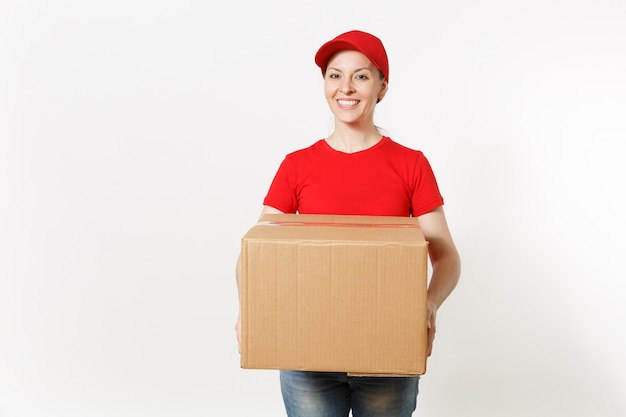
359 375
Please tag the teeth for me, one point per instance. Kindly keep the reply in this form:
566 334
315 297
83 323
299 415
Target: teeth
348 103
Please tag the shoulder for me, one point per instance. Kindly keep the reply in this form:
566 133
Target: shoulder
403 150
309 151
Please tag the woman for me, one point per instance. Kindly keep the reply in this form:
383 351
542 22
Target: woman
356 170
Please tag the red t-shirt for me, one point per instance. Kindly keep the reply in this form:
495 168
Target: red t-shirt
387 179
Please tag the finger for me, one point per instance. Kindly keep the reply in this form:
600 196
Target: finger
430 341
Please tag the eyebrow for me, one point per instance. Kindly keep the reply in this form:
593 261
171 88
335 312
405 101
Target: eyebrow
357 70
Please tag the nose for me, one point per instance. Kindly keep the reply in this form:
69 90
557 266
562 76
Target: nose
346 87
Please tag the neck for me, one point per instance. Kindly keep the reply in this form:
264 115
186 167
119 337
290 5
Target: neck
351 140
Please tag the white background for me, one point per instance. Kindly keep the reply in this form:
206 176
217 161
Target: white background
138 138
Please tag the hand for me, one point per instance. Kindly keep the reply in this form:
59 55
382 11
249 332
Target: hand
238 331
432 327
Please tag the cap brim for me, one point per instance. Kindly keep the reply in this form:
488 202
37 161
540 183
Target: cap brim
329 48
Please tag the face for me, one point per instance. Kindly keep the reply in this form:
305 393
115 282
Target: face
352 86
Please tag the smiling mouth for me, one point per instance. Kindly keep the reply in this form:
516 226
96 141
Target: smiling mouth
347 103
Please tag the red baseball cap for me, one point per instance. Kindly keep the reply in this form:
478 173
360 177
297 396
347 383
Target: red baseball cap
355 40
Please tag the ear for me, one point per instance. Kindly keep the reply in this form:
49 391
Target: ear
383 90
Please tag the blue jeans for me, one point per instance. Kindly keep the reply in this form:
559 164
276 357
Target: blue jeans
333 394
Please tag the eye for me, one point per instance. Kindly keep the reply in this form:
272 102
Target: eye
361 77
333 75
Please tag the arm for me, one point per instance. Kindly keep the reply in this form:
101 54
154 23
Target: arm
446 265
266 209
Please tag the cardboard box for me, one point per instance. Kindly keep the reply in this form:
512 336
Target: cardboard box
334 293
